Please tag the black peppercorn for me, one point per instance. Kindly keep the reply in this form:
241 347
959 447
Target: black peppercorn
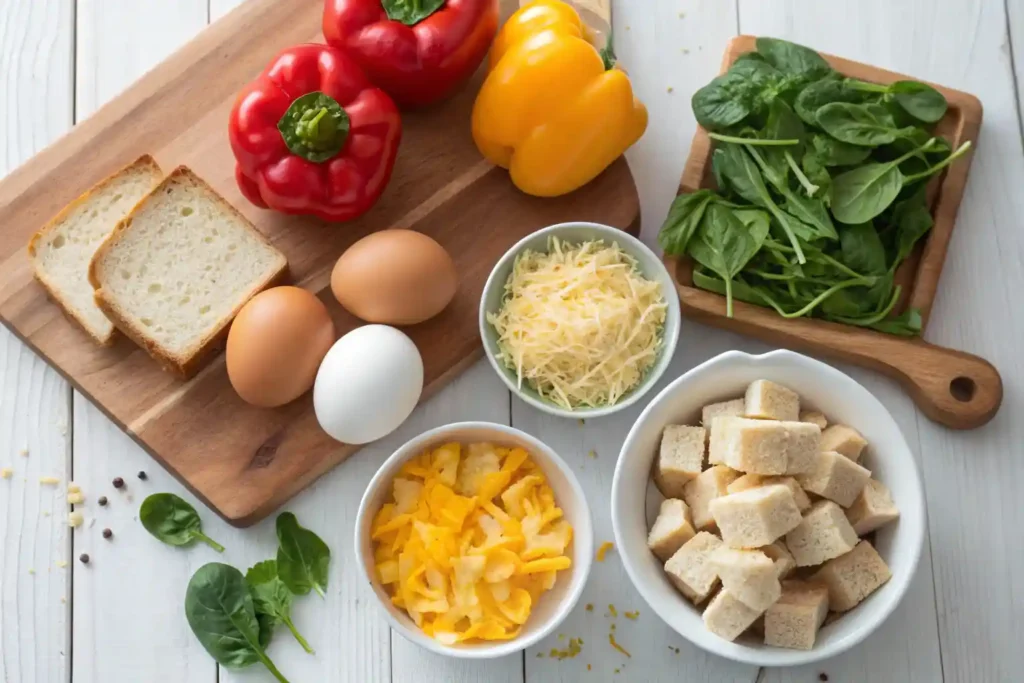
102 500
142 475
84 558
118 482
823 677
107 533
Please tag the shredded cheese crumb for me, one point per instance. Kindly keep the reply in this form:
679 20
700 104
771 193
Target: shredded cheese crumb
32 571
75 498
612 612
611 639
601 552
49 481
75 519
579 324
73 487
62 563
6 473
632 615
23 452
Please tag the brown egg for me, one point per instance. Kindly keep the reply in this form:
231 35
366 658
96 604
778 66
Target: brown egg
395 277
276 344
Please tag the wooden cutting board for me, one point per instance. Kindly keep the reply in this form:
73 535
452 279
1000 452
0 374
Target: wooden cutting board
243 461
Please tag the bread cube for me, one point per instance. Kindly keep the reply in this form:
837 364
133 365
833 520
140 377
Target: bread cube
853 577
843 440
752 481
764 446
753 518
690 569
793 621
680 459
698 494
671 529
872 509
732 408
727 617
835 477
749 575
815 418
780 555
821 535
770 401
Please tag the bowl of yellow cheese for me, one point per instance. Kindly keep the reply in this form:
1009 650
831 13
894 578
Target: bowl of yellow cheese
476 539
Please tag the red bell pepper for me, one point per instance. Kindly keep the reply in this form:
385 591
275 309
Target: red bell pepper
312 135
418 51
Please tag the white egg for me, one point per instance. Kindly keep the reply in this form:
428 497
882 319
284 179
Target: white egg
368 384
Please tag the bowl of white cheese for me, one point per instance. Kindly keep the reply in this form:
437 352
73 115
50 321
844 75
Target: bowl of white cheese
579 319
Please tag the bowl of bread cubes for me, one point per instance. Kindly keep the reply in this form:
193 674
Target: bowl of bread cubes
768 508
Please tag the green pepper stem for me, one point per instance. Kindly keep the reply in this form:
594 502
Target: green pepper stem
317 129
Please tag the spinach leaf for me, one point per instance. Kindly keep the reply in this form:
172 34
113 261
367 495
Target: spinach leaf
921 101
744 178
173 521
220 611
811 212
741 291
816 172
825 91
867 125
861 194
725 244
683 219
302 558
725 101
913 220
272 599
791 58
832 152
862 249
907 325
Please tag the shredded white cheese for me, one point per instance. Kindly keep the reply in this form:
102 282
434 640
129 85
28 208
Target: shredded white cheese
580 324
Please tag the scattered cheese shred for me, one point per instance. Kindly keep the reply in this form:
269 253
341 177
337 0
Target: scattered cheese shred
49 481
6 472
579 324
603 550
75 497
611 639
75 519
469 541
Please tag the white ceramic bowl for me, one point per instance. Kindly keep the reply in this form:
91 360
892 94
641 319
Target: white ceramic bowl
842 400
651 267
554 606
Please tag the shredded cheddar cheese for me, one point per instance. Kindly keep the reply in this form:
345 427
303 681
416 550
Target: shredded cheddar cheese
579 323
470 541
603 550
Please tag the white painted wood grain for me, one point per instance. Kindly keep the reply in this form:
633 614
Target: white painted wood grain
1015 43
35 68
968 476
129 623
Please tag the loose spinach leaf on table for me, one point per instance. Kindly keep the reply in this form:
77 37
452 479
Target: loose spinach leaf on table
683 219
302 557
272 599
173 521
791 58
867 125
220 611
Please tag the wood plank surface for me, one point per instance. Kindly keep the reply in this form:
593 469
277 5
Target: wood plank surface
241 460
959 627
36 38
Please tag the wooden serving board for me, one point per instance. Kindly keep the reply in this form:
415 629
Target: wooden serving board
951 387
243 461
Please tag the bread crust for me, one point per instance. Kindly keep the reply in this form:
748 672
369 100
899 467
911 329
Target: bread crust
185 365
145 162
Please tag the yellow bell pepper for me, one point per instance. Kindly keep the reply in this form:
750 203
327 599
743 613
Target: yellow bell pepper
550 111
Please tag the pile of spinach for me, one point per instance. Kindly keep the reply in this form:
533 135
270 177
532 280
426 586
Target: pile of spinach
821 188
234 616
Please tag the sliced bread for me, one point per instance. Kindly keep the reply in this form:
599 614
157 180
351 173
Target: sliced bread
61 251
177 269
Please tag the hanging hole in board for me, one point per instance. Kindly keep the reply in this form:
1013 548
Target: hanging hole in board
962 389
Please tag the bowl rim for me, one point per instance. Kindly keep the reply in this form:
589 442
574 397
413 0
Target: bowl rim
673 318
777 656
583 537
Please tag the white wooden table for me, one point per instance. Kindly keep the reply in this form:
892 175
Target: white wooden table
120 617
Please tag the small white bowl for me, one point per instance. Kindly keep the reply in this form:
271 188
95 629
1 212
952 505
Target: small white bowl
843 401
649 264
554 606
